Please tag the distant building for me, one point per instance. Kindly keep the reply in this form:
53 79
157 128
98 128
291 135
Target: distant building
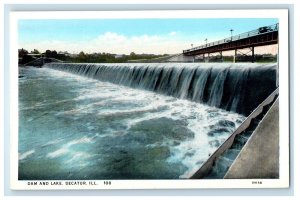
65 53
119 55
73 55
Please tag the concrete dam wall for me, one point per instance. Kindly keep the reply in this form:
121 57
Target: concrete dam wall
238 87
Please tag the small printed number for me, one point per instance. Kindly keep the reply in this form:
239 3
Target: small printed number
257 182
107 182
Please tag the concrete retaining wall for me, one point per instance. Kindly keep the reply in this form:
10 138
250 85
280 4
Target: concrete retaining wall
260 156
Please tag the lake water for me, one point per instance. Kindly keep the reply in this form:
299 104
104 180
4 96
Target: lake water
71 127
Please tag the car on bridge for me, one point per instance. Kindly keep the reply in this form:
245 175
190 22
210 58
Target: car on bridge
264 29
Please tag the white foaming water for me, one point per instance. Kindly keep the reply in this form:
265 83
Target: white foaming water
55 141
100 110
57 153
26 154
65 148
82 140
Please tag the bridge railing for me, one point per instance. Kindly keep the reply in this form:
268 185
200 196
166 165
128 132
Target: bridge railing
261 30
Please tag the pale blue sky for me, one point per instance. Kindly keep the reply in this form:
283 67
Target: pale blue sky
127 35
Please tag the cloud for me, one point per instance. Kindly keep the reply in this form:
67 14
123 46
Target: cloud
111 37
172 33
112 42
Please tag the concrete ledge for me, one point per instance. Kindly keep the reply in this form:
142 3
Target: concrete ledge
260 156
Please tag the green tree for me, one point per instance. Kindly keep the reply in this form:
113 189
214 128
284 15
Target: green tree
54 54
35 51
22 52
48 53
82 57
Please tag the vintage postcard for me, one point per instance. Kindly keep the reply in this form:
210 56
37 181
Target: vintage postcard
149 99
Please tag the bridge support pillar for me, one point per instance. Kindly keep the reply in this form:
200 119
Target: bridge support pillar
206 59
253 56
221 55
235 55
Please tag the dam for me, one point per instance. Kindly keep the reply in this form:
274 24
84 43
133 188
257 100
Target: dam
232 87
133 121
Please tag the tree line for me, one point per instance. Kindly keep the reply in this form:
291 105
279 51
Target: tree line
25 56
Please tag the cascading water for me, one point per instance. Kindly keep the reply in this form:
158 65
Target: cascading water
140 121
216 93
197 88
224 86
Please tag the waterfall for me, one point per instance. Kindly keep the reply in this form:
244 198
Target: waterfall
238 96
199 86
216 93
234 87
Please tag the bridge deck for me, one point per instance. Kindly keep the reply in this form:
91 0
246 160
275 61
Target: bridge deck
260 37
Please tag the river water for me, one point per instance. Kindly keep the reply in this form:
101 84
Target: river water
72 127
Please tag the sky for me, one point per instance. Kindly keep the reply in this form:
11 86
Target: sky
123 36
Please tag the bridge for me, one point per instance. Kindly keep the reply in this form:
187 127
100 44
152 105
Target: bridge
262 36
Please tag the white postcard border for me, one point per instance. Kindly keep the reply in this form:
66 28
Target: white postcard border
282 182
